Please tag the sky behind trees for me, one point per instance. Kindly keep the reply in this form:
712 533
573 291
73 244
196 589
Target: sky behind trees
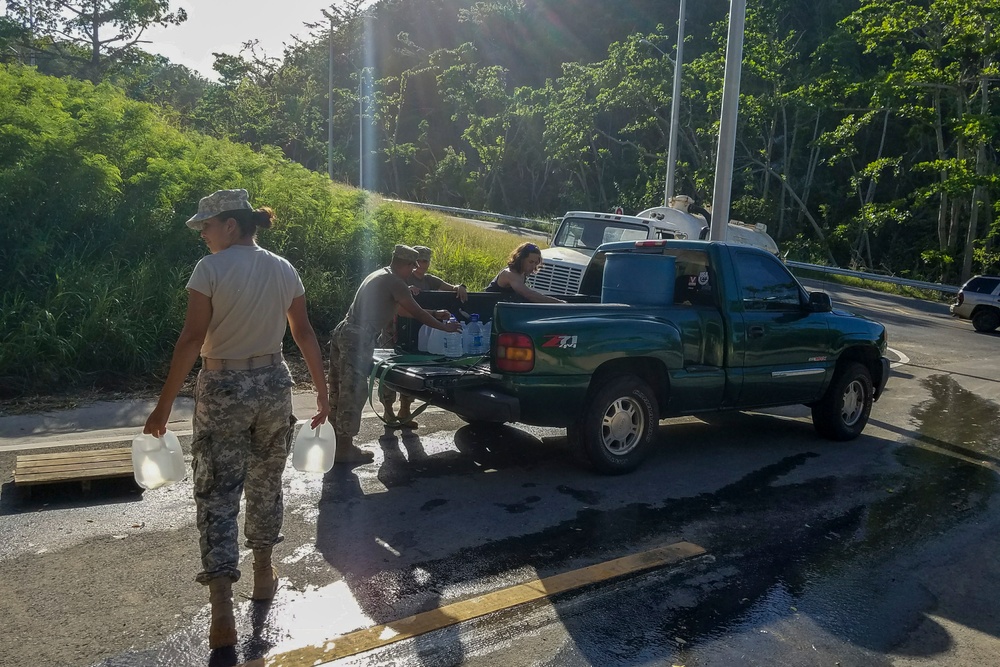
223 27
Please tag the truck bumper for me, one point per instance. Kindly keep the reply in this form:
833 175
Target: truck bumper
473 404
884 377
486 405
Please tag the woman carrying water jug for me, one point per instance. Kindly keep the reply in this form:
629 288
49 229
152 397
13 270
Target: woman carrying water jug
239 300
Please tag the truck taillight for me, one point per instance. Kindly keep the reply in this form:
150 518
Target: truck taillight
515 353
651 244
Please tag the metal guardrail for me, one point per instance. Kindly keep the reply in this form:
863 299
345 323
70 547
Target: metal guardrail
906 282
518 222
818 268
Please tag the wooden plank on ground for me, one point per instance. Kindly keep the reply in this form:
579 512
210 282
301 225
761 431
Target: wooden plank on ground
90 453
73 466
367 639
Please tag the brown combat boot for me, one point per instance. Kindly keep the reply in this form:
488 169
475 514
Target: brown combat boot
265 575
222 632
347 452
404 417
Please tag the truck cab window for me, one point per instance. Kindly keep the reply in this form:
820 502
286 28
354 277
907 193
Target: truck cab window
765 284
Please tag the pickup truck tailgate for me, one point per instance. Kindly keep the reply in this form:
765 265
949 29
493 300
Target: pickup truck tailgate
465 386
412 374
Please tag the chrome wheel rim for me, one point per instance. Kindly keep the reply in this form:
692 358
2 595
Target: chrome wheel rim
854 402
622 425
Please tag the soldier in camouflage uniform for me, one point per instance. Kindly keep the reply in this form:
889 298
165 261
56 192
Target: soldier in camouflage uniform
353 341
419 281
239 300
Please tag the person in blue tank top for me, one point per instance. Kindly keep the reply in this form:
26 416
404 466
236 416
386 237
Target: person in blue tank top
524 261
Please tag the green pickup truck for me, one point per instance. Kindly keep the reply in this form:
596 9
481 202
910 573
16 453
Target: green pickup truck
676 328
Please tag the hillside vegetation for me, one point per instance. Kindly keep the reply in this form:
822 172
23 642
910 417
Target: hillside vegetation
94 253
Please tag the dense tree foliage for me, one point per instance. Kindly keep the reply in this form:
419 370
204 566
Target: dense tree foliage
865 134
94 253
95 34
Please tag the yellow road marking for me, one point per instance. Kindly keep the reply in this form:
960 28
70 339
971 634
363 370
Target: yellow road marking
457 612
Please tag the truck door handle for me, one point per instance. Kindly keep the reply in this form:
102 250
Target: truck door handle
755 331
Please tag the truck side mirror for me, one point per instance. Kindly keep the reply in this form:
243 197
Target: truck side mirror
820 302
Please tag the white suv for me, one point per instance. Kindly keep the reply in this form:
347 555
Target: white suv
979 301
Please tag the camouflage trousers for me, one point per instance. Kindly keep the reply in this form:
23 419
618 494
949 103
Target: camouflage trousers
242 436
351 349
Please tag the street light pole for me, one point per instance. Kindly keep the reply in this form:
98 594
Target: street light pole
727 124
675 109
361 129
329 95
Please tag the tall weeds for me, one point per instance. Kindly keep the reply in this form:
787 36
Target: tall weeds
94 253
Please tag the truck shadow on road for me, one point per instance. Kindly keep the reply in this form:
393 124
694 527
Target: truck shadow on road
798 527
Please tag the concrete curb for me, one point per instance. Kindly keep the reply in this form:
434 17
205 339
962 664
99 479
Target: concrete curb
108 421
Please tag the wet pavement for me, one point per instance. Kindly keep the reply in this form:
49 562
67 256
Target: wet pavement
880 551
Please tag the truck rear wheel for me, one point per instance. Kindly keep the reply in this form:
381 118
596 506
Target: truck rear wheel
843 411
619 425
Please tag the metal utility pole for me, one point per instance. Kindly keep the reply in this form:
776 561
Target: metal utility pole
675 109
727 124
361 129
329 122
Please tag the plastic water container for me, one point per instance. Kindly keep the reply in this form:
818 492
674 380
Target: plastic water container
157 461
314 449
423 337
453 342
638 279
435 342
472 336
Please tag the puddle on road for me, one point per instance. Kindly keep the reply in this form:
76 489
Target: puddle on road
843 574
955 417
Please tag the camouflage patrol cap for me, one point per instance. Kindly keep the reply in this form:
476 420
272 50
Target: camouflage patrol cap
423 252
405 253
218 202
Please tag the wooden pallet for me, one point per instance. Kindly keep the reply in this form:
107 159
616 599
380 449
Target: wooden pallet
75 466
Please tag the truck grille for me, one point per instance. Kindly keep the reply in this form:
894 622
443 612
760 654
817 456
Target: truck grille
557 279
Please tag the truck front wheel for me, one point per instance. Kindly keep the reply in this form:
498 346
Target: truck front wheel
843 411
619 426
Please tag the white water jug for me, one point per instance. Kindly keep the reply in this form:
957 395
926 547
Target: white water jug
314 449
473 337
435 342
423 337
157 462
453 342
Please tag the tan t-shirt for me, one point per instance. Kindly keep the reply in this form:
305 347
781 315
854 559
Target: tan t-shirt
375 302
251 290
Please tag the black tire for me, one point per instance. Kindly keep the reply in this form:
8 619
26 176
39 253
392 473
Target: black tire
619 426
843 412
986 319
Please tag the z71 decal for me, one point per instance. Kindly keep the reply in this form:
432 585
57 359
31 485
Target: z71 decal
562 342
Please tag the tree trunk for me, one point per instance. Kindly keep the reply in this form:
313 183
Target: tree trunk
862 242
803 209
942 221
977 192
